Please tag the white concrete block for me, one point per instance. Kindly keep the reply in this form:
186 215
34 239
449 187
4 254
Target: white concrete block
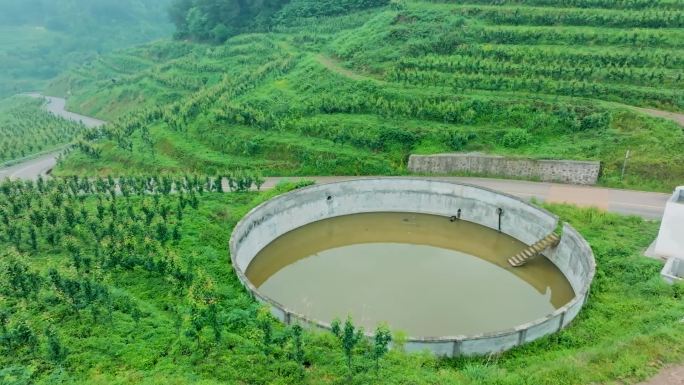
670 241
673 270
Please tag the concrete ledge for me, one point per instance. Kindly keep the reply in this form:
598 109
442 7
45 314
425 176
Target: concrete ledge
525 222
673 271
670 242
565 171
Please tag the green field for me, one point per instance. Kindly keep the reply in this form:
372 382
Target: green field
27 129
136 288
357 93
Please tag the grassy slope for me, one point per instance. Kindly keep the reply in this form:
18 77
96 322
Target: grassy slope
630 326
386 83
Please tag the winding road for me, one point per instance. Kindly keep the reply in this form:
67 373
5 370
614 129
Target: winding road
42 164
57 106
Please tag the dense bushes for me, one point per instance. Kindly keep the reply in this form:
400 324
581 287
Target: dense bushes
515 137
217 20
92 229
456 140
108 271
595 121
310 8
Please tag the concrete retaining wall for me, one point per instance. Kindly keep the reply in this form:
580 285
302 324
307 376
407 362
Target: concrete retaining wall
670 242
565 171
519 219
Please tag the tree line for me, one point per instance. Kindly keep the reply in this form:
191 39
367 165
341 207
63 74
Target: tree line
217 20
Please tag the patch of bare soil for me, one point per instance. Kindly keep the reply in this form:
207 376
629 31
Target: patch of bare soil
673 375
675 117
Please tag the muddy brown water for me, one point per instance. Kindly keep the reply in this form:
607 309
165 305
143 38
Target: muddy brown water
421 274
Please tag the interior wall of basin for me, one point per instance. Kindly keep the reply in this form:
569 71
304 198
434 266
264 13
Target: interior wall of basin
573 255
288 212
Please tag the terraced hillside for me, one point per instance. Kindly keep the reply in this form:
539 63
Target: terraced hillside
356 93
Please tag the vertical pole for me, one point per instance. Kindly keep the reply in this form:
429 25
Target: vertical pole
500 212
624 165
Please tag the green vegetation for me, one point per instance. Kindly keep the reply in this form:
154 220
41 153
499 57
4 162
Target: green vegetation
358 90
39 39
27 129
127 280
135 288
217 20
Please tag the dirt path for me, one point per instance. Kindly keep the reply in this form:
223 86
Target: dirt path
335 67
673 116
669 376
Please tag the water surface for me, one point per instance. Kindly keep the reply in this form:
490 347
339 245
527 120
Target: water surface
419 273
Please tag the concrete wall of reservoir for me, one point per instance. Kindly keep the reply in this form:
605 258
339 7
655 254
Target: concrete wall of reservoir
511 215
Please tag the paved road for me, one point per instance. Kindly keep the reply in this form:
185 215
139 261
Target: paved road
40 165
31 168
644 204
57 106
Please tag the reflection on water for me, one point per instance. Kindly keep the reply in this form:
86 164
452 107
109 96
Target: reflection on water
416 272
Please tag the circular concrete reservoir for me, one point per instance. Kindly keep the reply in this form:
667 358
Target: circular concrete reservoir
429 258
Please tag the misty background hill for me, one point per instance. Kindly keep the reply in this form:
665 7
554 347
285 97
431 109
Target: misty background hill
41 38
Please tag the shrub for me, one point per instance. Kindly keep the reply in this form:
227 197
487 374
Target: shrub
457 139
599 120
516 137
